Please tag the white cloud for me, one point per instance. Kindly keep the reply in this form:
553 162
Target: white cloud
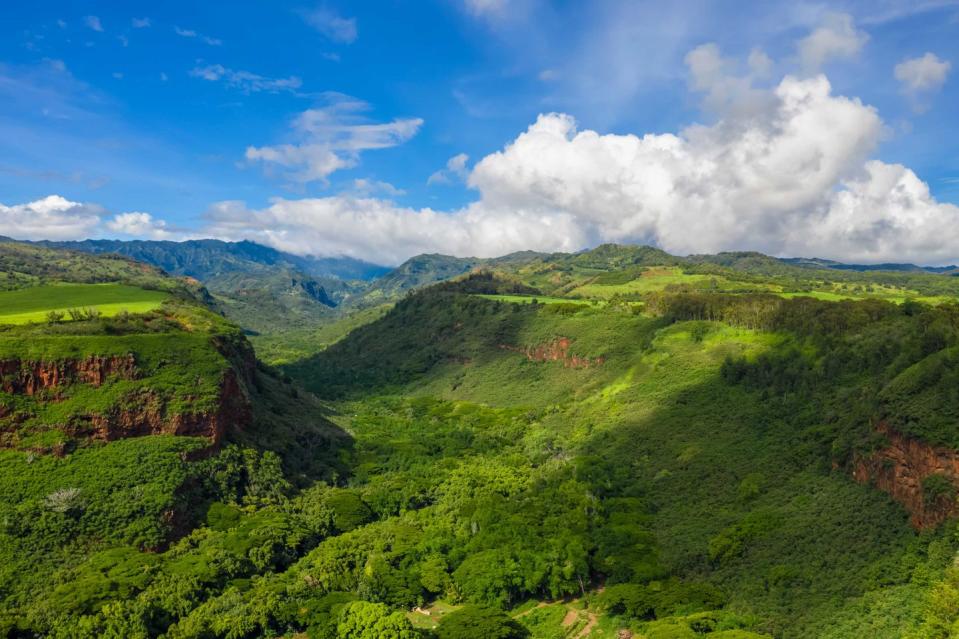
760 64
379 231
140 23
725 88
836 37
792 179
365 187
331 25
93 22
141 225
246 81
190 33
124 41
922 75
455 168
117 75
57 218
331 138
51 218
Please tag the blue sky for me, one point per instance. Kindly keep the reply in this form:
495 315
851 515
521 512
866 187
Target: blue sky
176 109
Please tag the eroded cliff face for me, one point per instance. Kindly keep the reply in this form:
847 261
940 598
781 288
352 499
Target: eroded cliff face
146 414
902 468
141 412
556 350
19 377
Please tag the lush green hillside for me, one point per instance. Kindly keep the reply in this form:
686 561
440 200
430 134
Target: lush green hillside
25 265
735 434
548 446
119 430
287 302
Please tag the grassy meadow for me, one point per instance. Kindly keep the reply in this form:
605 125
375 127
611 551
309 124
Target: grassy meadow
33 304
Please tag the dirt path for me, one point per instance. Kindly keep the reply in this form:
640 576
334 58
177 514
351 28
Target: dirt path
541 604
588 628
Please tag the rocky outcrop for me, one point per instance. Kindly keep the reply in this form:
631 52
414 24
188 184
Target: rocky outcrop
142 412
556 350
30 377
146 414
903 470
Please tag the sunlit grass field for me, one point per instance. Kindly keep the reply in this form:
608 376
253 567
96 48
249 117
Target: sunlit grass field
32 304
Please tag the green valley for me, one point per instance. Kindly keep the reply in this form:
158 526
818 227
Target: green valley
617 443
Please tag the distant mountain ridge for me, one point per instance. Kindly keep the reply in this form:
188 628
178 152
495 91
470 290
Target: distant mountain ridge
815 262
203 259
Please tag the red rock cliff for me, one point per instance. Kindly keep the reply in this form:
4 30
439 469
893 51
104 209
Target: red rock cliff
29 378
556 350
899 470
142 413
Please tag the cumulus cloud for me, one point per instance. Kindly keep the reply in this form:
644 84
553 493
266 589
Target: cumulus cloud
50 218
795 176
836 37
331 25
379 231
330 138
919 77
455 168
245 81
793 179
725 87
57 218
138 224
140 23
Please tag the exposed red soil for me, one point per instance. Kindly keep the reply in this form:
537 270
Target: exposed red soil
899 470
556 350
143 413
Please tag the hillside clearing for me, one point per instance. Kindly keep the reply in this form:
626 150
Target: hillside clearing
32 304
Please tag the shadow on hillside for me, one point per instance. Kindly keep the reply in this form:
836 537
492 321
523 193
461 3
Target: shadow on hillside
408 344
742 493
739 483
296 426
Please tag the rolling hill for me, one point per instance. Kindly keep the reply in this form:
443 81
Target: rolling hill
612 443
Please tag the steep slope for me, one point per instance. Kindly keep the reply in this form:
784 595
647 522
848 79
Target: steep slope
118 432
743 436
